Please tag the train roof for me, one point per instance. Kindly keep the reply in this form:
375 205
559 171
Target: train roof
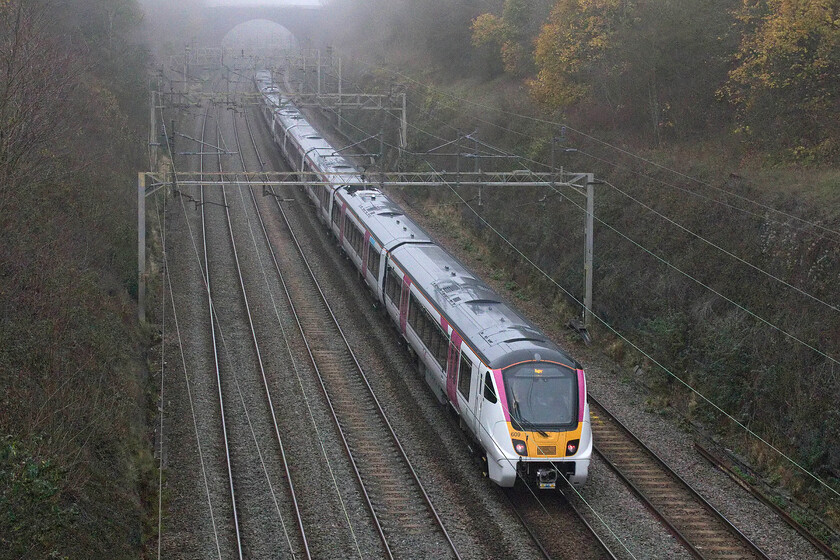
383 218
494 330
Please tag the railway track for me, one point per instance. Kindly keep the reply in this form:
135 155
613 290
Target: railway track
703 530
556 525
301 547
264 517
215 352
405 518
553 523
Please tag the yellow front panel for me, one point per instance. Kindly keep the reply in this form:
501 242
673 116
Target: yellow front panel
553 445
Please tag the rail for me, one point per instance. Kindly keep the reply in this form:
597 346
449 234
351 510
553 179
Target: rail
703 530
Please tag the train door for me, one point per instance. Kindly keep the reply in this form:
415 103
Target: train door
452 367
406 291
343 222
488 413
476 398
365 254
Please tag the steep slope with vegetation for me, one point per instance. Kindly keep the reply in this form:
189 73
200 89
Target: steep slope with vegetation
713 126
73 452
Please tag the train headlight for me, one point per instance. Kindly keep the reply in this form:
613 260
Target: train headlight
572 446
520 447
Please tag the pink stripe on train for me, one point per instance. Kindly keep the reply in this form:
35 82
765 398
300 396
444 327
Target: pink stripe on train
500 387
581 394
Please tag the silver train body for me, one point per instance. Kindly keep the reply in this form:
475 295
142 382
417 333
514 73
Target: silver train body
518 395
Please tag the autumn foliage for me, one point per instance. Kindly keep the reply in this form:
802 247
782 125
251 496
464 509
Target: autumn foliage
785 81
508 34
765 69
71 391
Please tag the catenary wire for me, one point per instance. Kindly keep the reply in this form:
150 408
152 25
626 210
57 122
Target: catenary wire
762 217
262 371
204 276
162 227
647 355
611 531
168 282
588 505
600 518
192 407
721 249
294 361
706 286
664 217
603 143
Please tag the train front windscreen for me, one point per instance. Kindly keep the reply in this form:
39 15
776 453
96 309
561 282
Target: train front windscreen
541 396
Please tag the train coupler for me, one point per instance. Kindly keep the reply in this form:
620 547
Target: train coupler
547 479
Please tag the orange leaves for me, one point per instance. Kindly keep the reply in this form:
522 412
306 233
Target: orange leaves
487 29
576 38
786 74
507 34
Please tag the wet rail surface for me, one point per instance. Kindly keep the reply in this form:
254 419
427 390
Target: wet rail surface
556 525
265 516
703 530
405 517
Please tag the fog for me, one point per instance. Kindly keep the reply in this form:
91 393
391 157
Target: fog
259 33
170 25
315 3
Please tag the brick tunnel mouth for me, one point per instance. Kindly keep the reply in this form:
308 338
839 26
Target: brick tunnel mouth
259 33
301 22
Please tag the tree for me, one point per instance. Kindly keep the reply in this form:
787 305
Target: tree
785 83
508 34
35 81
571 51
70 397
633 64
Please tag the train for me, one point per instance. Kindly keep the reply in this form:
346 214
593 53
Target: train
518 396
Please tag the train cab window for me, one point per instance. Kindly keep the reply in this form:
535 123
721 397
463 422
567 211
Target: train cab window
542 394
393 286
489 390
465 377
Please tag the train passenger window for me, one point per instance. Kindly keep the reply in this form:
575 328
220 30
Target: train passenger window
392 285
353 235
428 331
417 319
348 228
489 390
373 260
430 338
439 343
413 313
465 377
358 240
